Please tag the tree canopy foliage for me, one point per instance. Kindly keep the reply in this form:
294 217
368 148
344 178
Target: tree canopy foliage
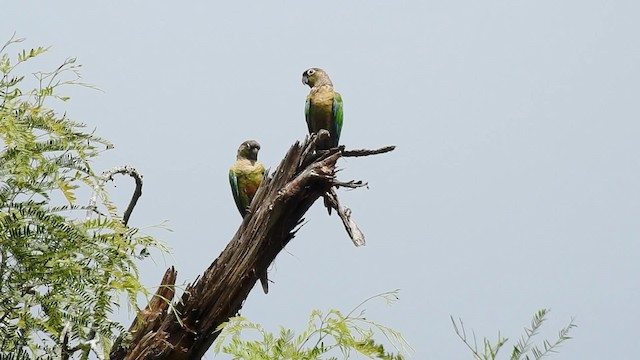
63 263
326 336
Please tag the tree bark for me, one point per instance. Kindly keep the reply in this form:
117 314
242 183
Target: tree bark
186 328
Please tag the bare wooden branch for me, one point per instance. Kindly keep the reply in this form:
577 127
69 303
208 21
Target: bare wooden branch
331 202
149 318
108 176
275 214
350 184
92 207
137 193
367 152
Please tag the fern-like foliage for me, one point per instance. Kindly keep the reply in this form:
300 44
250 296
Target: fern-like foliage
326 336
61 273
524 348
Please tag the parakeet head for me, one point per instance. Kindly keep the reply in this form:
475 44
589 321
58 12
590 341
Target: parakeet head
315 77
248 150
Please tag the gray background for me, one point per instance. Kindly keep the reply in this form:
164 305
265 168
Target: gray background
514 187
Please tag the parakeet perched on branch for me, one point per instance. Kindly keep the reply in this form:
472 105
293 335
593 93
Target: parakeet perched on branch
323 109
245 176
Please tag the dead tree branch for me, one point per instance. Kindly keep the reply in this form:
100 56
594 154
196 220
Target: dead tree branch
367 152
137 193
108 176
188 330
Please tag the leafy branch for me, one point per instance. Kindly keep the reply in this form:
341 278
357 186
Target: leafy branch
330 333
523 347
60 276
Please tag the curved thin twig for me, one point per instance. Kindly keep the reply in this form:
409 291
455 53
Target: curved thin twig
108 176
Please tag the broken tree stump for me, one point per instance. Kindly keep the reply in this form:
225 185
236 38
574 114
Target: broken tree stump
186 328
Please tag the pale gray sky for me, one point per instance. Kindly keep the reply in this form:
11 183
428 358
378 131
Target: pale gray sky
515 184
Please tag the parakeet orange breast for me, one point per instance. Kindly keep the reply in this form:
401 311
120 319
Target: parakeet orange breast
250 189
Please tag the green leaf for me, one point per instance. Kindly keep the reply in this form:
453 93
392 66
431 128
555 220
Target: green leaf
5 64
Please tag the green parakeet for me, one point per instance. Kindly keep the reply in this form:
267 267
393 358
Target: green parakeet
245 176
323 109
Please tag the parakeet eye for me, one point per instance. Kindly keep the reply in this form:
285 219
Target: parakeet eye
310 72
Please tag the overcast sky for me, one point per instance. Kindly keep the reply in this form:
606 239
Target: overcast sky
515 184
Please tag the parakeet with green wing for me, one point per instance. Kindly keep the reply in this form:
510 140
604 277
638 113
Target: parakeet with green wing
323 109
245 177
